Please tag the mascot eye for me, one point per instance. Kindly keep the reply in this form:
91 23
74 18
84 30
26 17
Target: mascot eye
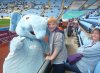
32 33
27 18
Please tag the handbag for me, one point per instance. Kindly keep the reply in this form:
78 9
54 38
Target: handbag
72 59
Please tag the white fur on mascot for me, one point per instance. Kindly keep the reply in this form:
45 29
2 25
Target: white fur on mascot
27 49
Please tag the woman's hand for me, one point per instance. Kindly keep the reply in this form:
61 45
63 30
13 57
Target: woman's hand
53 56
46 54
48 58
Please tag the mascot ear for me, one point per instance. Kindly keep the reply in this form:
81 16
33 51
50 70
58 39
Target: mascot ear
15 17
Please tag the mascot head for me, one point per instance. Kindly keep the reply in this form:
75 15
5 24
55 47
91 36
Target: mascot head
32 26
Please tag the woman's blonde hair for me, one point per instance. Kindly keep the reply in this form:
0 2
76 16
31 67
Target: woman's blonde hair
52 19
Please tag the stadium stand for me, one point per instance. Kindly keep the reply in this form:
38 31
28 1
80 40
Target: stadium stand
47 8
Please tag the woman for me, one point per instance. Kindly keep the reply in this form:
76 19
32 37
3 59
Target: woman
91 55
58 52
70 28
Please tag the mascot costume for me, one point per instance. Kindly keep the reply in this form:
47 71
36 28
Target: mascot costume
27 49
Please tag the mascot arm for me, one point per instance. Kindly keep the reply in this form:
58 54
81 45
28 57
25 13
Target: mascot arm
45 46
16 43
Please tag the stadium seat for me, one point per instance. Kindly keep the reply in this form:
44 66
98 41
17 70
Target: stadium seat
97 69
87 26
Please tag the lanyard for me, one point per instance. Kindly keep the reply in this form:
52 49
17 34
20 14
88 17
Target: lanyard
90 45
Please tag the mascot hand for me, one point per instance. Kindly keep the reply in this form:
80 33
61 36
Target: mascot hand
17 43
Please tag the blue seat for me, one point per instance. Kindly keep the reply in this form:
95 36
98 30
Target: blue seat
85 25
94 22
97 69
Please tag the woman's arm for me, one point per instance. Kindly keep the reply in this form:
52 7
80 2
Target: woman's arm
92 51
58 43
53 56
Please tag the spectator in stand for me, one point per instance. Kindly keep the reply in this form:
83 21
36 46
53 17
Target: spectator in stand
91 55
70 28
76 25
63 26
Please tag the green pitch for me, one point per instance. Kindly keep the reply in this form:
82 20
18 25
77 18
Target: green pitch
4 22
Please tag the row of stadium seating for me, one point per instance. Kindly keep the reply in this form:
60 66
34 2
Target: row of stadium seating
86 26
82 38
53 10
5 35
92 21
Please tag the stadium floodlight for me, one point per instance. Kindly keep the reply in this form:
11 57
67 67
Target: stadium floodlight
46 6
65 7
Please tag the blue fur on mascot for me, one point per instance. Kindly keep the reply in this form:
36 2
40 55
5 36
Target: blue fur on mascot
27 49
